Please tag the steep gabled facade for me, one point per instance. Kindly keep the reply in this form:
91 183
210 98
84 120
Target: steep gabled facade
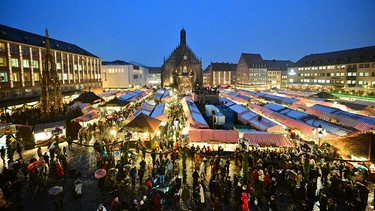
182 69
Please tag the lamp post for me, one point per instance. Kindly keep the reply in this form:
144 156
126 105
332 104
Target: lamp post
321 132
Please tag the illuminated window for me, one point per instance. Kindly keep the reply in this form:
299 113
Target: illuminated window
328 81
15 62
3 77
58 65
366 74
3 61
35 64
36 76
360 74
26 76
16 76
2 47
342 74
26 63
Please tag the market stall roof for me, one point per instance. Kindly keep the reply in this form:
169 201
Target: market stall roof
159 94
83 106
116 102
160 112
194 116
266 139
92 114
226 101
324 95
204 135
144 122
130 95
51 125
88 97
238 108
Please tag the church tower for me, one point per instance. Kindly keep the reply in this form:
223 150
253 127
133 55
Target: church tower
51 95
183 37
182 70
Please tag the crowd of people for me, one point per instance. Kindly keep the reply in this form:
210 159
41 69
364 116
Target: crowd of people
156 178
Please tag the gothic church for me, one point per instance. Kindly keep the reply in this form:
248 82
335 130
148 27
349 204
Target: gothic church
182 70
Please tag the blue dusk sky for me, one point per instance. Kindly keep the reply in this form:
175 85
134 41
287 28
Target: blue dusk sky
146 31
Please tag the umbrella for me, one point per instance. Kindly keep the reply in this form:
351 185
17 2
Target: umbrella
55 190
290 173
100 173
33 164
112 171
360 167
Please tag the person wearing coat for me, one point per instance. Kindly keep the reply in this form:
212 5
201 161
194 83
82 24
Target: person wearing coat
201 193
245 202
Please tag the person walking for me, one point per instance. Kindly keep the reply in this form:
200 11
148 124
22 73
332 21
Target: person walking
2 153
39 151
141 173
133 174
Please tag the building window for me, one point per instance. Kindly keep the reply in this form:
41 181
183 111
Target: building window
15 62
13 48
367 65
360 74
34 52
25 50
17 93
26 63
366 74
361 65
16 76
58 65
2 47
35 64
26 76
36 77
3 62
3 77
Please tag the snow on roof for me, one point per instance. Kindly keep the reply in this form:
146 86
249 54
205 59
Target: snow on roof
274 107
238 108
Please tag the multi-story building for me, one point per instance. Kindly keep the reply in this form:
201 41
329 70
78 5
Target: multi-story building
251 70
121 75
277 71
154 76
222 74
21 69
350 70
207 77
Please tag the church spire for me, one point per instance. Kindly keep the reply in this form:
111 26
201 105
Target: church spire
183 37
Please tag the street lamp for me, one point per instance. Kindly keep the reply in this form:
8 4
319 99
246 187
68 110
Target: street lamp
321 132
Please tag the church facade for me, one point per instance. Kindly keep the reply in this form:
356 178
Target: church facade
182 70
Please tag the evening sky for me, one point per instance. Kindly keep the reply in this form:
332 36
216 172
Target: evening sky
146 31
